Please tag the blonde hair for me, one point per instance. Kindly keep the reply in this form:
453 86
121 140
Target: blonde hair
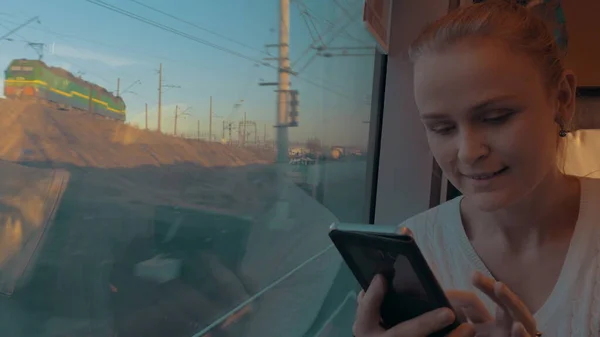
503 20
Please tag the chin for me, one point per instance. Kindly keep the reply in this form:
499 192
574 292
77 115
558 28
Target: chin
491 201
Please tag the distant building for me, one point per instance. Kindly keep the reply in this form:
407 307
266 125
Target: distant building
296 151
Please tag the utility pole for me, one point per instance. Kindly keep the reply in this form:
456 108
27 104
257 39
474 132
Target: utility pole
223 136
146 116
175 125
210 121
118 85
160 93
243 131
229 126
177 115
284 81
160 85
244 143
255 135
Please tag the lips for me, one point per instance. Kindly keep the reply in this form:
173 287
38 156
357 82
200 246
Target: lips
485 176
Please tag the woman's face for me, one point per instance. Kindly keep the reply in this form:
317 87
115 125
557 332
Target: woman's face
490 120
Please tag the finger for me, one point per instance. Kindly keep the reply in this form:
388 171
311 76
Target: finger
406 231
464 330
506 299
485 329
360 296
424 325
518 330
516 308
367 313
487 286
503 319
502 326
469 307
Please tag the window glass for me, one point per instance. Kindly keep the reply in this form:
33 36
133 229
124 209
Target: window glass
142 192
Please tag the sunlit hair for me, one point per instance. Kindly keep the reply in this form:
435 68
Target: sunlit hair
503 20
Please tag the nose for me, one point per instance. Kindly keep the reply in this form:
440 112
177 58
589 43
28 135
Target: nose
472 147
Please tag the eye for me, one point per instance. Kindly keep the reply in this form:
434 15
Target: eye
498 117
442 128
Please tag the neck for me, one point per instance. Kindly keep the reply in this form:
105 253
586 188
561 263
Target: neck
547 213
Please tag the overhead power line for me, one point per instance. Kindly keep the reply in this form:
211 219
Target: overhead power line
312 46
126 49
196 26
306 17
12 31
169 29
346 12
329 41
198 40
340 30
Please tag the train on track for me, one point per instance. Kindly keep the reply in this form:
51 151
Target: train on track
34 79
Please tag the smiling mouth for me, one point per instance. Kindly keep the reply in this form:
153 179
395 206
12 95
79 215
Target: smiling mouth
486 176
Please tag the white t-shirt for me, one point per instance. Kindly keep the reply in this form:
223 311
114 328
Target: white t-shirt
583 153
572 309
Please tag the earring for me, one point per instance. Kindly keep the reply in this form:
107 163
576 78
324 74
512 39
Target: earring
562 132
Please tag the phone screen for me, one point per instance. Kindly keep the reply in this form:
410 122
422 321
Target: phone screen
406 295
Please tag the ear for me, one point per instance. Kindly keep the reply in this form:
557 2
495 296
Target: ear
566 99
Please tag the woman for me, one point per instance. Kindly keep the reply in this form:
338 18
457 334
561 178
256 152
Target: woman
496 103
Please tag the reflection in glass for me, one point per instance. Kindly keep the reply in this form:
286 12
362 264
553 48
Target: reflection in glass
139 158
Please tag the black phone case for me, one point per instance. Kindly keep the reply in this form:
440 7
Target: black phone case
395 310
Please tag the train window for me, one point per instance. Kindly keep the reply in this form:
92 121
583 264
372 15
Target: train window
21 68
181 165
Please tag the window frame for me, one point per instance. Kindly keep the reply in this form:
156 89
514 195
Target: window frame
375 128
373 150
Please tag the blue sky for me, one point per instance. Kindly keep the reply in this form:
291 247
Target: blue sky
103 45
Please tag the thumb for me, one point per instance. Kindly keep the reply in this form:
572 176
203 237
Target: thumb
368 312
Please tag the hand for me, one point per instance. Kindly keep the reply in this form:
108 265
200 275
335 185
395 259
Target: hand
512 316
368 318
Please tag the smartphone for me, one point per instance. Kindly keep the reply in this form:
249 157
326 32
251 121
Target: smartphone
413 290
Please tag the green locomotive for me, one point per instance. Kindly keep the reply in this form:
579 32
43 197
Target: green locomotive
34 79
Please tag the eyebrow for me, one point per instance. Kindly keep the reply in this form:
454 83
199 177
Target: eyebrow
478 107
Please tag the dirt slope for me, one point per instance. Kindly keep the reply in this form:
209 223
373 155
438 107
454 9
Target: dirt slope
116 163
37 132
